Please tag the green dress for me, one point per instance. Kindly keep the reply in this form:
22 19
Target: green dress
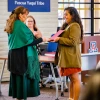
26 84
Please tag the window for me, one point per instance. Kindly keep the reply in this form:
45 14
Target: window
89 11
96 16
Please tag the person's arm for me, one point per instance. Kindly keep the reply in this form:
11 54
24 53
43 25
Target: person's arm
74 36
36 41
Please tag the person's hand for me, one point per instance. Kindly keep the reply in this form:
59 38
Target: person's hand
48 39
54 40
44 39
37 34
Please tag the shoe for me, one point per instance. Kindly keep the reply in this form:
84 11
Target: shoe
66 90
70 99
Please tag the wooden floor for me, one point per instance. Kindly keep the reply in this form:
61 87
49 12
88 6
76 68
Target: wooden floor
46 94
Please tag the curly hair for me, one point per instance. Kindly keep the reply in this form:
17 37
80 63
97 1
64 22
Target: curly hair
76 18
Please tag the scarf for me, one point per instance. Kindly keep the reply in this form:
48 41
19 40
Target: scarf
22 36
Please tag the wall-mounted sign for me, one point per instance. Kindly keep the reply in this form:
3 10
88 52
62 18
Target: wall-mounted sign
31 5
93 47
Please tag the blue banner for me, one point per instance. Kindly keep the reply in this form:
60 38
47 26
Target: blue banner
31 5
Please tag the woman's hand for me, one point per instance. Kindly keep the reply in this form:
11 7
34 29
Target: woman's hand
37 34
45 39
54 40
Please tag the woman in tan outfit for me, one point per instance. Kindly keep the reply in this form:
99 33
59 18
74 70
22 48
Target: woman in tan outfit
68 56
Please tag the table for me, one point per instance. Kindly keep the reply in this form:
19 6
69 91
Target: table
50 59
89 63
2 70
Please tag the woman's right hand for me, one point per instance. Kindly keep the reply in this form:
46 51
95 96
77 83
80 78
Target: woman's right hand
37 34
45 39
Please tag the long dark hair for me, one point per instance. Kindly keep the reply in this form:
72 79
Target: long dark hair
14 16
76 18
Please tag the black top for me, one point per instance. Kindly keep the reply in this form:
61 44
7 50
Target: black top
36 41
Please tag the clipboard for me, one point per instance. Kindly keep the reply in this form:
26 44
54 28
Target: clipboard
57 34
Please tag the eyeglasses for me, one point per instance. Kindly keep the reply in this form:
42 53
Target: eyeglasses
30 21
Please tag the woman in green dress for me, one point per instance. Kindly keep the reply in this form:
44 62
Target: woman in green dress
23 62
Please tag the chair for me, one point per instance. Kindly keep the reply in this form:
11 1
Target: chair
51 47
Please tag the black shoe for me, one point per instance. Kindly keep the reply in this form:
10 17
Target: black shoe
66 90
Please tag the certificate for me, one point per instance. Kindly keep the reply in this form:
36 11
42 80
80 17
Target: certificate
57 34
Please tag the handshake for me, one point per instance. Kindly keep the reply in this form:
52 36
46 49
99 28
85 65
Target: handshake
38 34
55 37
50 39
45 39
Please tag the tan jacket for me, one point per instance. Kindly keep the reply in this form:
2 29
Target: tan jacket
69 55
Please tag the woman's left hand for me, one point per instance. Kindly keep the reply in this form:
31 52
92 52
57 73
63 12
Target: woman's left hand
37 34
55 40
